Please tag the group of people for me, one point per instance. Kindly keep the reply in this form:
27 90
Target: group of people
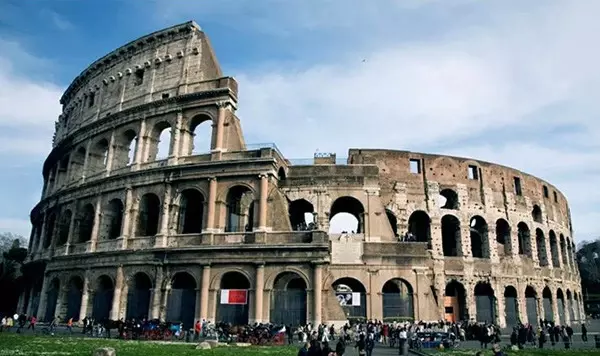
18 320
524 334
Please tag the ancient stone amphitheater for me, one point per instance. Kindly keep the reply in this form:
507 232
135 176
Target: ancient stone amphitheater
236 232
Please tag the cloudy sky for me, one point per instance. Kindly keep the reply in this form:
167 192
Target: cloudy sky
512 82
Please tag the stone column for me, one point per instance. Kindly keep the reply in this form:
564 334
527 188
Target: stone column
127 217
555 314
60 309
500 305
140 144
115 310
86 162
204 292
164 220
85 297
176 151
220 127
41 311
264 194
71 231
96 227
259 293
567 310
40 239
111 153
317 290
211 205
154 312
164 302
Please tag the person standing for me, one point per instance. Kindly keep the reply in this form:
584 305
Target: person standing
584 337
32 322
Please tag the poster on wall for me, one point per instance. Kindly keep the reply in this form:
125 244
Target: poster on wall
234 296
348 298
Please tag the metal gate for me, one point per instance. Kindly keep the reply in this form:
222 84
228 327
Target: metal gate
288 307
532 314
485 308
138 304
74 304
548 314
397 305
181 306
102 304
235 314
561 312
51 300
512 315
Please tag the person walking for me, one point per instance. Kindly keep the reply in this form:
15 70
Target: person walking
584 337
32 322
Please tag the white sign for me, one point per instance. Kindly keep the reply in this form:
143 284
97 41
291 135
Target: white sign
348 298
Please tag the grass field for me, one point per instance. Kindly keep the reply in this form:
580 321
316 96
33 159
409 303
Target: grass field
13 344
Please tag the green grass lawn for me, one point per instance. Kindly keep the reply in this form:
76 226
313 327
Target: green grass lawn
13 344
525 352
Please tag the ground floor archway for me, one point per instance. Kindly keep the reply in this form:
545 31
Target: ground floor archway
511 308
52 299
288 300
182 300
560 301
138 297
397 299
455 302
103 297
531 305
233 299
352 296
547 302
485 303
74 294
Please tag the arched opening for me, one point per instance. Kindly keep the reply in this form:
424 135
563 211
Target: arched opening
352 296
419 225
124 149
524 237
560 299
346 216
569 306
554 249
149 215
288 300
570 253
531 305
563 251
64 225
159 142
138 297
576 306
86 223
547 298
50 223
503 239
511 307
301 215
103 297
52 299
74 295
455 302
536 214
448 199
233 299
485 303
182 300
397 298
112 219
191 212
393 221
479 237
63 171
201 129
77 162
281 174
451 243
98 156
240 209
540 241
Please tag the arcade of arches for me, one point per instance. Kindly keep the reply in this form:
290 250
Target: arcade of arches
293 296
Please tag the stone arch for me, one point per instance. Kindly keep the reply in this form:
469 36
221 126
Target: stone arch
233 297
52 299
191 212
511 306
571 306
77 163
104 289
160 141
485 302
524 238
201 132
393 221
98 156
74 295
138 296
560 301
563 251
547 303
536 214
182 299
531 305
419 225
554 249
86 223
281 175
125 148
270 279
540 241
301 213
455 301
148 215
50 224
64 226
448 199
451 240
353 215
352 296
239 205
112 219
215 282
570 252
503 240
478 228
397 300
289 299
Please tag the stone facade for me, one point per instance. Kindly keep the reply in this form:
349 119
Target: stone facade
118 227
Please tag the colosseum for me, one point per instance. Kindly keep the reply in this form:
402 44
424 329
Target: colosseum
237 232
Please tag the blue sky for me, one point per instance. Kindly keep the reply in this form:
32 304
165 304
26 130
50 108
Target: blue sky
511 82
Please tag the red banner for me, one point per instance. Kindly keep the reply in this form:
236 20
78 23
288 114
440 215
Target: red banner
234 296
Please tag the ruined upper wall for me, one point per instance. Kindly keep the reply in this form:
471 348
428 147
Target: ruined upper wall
167 63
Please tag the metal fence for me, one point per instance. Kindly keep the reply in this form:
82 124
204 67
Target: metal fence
512 316
485 308
288 307
181 306
138 304
397 305
102 304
